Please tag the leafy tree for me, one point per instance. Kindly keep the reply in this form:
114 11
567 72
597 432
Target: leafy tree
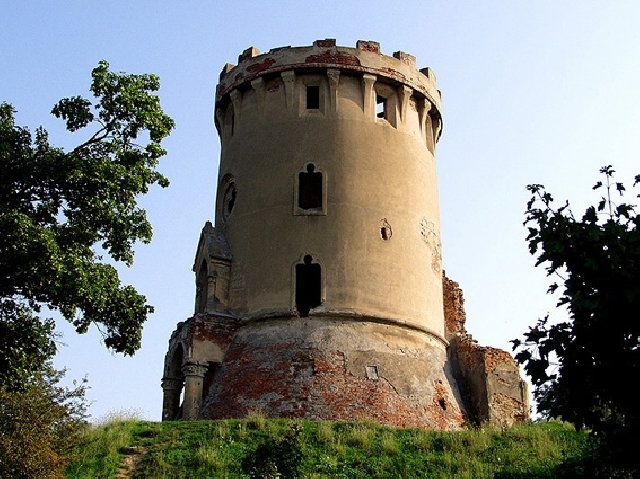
57 207
40 425
582 368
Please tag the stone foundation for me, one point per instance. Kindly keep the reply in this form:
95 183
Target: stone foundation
323 368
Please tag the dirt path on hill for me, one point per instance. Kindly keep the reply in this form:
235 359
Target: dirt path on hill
131 461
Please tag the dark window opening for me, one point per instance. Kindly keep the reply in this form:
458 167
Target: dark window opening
308 286
381 110
229 200
383 233
310 190
202 289
443 404
313 97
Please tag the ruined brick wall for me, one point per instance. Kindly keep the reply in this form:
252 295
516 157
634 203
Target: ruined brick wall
196 349
488 378
320 371
455 316
213 328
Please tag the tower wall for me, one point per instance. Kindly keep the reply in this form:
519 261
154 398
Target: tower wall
377 173
327 186
319 292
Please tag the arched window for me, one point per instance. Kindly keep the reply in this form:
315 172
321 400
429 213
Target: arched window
310 189
229 200
308 286
227 197
173 385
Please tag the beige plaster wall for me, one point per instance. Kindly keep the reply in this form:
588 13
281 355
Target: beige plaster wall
373 169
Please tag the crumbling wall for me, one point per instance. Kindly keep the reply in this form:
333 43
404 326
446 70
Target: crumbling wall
328 369
488 378
196 349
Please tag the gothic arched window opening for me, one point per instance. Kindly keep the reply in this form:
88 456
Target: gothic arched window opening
229 200
308 286
310 189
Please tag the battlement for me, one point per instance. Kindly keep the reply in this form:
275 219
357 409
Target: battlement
365 58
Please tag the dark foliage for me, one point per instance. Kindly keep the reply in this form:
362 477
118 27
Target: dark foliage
276 457
583 368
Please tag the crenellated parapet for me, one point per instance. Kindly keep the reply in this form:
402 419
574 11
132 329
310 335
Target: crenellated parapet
327 80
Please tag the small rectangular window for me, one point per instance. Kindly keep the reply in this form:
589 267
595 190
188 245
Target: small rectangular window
381 111
372 372
313 97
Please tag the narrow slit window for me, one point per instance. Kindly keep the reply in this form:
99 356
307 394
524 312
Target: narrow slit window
202 288
313 97
310 189
308 286
381 108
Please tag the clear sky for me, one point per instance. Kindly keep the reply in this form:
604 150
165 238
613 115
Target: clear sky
533 92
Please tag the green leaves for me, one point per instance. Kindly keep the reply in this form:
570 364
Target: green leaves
580 368
75 110
56 207
27 343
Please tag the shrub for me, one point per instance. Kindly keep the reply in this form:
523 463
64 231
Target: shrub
39 426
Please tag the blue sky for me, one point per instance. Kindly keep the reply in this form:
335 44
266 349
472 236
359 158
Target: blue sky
536 92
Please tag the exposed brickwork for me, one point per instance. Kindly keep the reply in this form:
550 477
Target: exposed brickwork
368 46
489 378
262 66
509 409
333 58
396 75
212 328
284 380
494 357
455 316
326 43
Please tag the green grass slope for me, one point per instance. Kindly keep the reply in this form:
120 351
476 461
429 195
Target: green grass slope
258 447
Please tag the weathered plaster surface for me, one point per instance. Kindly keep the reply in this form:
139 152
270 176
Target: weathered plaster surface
385 336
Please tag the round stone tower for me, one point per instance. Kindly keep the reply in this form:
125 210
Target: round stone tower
326 247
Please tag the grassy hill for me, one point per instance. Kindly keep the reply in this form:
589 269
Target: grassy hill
258 447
